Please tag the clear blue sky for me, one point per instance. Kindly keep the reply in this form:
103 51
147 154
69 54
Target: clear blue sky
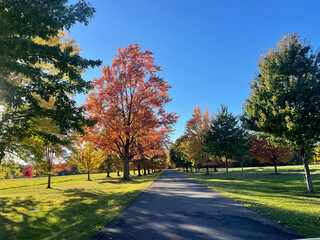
208 49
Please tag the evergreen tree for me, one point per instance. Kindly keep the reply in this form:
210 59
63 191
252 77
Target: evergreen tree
225 137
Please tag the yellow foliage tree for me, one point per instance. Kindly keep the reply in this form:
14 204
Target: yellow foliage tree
88 157
316 157
197 126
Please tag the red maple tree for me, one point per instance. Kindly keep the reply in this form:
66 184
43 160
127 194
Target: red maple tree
267 152
128 100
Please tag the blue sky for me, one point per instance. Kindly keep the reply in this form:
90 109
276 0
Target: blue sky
208 49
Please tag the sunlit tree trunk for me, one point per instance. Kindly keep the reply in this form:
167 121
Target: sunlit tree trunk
307 172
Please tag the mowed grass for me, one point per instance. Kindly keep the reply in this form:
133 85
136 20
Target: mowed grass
282 197
73 209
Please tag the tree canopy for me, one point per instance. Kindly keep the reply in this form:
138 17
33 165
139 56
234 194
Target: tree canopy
26 32
285 102
128 102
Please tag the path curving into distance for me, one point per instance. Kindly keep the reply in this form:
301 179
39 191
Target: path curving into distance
176 207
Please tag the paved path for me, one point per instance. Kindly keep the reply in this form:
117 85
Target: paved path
176 207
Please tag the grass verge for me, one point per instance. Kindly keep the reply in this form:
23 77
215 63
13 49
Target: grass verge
282 197
73 209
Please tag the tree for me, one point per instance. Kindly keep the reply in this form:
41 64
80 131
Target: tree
38 150
316 157
225 137
9 169
150 148
177 154
128 100
23 81
87 156
267 152
285 101
110 163
196 128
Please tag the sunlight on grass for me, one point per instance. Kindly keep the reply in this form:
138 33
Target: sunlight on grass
73 209
282 197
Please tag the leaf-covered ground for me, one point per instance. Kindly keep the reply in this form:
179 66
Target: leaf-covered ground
73 209
282 197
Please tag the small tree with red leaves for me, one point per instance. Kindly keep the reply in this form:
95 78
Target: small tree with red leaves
267 152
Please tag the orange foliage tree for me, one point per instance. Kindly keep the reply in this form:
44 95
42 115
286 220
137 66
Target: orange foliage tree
266 152
150 149
128 100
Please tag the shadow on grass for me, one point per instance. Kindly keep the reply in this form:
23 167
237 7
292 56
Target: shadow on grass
81 215
134 179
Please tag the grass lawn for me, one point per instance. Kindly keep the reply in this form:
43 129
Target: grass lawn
282 197
73 209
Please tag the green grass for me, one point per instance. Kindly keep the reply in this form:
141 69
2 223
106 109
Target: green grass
73 209
282 197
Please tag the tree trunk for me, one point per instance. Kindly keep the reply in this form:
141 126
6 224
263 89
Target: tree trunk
118 173
49 181
144 171
215 169
207 170
89 176
275 167
241 167
134 171
190 168
148 170
307 173
139 169
108 173
49 168
126 164
227 167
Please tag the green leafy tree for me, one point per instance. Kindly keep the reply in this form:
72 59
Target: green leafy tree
225 137
110 163
177 154
23 80
285 101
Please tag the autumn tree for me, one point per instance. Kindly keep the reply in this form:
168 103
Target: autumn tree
23 81
266 152
127 100
9 169
196 128
285 102
87 156
225 137
150 148
316 156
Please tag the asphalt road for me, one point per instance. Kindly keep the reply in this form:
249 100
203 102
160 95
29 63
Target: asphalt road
176 207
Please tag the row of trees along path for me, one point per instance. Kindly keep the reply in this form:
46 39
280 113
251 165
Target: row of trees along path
283 110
